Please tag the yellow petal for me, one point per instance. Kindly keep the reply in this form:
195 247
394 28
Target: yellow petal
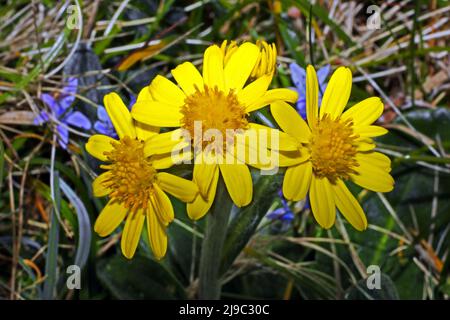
213 75
297 181
272 96
254 90
376 159
183 189
270 138
290 121
166 142
165 161
259 155
321 197
365 144
228 50
109 219
204 172
98 144
157 236
369 131
292 158
365 112
238 181
157 114
98 186
132 233
372 177
162 205
144 95
312 95
240 66
349 206
188 77
145 131
119 115
337 93
274 159
200 206
167 92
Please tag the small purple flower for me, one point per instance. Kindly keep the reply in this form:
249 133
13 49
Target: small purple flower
283 214
104 125
298 75
59 107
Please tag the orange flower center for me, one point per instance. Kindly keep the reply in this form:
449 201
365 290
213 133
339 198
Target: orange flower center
131 174
333 149
213 109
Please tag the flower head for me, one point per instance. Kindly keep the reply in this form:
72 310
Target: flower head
266 62
298 75
136 190
338 147
220 100
59 105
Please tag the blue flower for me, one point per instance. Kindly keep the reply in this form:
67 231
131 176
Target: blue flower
104 125
283 214
59 107
298 75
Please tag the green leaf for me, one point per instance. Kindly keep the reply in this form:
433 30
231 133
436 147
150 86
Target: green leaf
292 44
411 201
244 225
84 225
51 264
181 241
138 278
310 282
2 163
319 12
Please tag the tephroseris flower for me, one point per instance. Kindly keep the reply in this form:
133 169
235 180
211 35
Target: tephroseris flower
132 182
339 148
220 99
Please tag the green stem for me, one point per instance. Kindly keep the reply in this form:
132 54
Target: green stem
216 229
429 159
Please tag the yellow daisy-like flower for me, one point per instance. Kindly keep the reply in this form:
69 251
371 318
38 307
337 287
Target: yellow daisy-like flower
221 100
132 182
266 62
338 146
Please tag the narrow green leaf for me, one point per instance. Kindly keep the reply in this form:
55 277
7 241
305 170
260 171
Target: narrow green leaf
244 225
51 265
84 225
139 278
319 12
2 163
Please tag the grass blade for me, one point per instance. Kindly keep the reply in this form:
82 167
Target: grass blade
84 225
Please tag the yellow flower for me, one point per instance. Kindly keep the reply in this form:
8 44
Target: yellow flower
221 100
277 7
267 58
338 146
132 182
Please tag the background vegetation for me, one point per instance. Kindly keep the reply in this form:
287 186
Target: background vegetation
46 205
